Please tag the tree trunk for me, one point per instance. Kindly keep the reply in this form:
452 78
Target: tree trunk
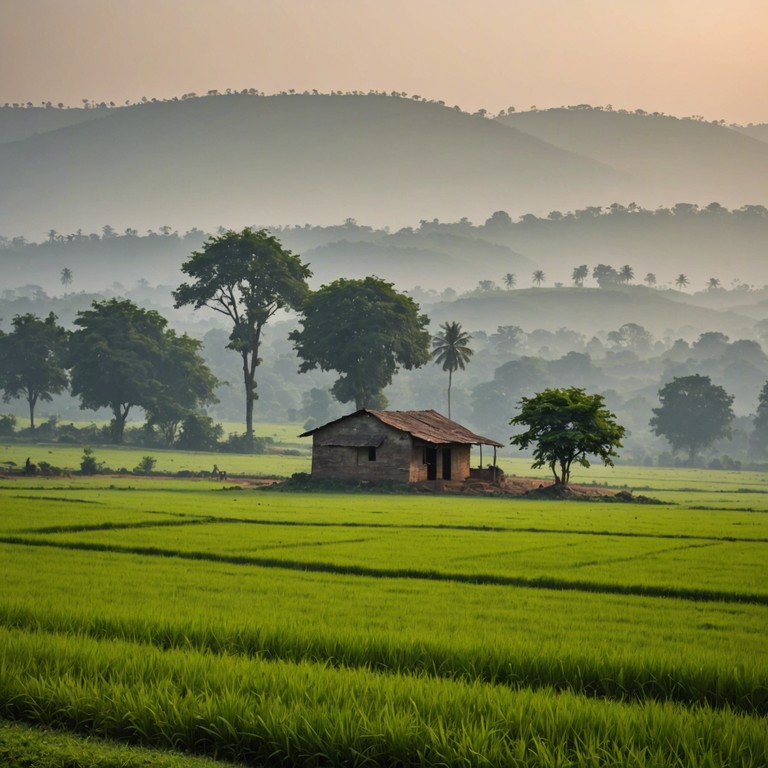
248 381
450 375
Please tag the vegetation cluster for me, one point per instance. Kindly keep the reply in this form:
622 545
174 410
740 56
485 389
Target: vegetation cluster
561 653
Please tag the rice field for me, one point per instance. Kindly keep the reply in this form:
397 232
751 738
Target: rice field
188 620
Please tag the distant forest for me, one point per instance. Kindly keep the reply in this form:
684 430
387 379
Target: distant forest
706 243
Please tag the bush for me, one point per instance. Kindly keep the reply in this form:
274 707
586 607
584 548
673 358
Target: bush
199 433
7 425
145 466
88 464
238 443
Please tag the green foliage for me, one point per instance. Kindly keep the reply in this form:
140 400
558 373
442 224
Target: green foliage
114 358
88 464
7 424
199 433
242 443
248 277
693 413
186 383
386 653
365 330
566 426
22 746
124 356
760 438
450 348
32 361
146 466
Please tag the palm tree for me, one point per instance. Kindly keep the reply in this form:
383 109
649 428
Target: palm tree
580 274
66 276
449 349
627 274
713 283
510 280
539 277
650 279
681 281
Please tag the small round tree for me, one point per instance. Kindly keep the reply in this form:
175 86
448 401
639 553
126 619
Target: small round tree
567 426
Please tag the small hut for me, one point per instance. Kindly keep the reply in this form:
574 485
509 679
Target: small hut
394 446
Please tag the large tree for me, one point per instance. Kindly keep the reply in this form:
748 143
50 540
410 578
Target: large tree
33 360
364 330
567 426
450 348
123 356
114 358
693 413
248 277
185 382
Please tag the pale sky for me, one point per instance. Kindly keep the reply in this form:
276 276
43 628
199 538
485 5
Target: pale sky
682 57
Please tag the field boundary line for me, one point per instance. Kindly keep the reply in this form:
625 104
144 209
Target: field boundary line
542 582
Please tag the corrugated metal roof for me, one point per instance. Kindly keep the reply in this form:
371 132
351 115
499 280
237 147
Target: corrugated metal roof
430 426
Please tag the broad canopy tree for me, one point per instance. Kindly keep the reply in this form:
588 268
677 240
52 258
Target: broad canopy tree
248 277
365 330
122 356
33 360
566 426
693 413
186 383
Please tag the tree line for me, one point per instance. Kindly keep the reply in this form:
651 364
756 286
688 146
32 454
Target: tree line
122 356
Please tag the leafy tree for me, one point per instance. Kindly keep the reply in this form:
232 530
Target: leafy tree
123 356
113 357
694 413
579 275
507 338
199 433
450 348
650 279
248 277
760 437
33 361
365 330
633 337
539 277
605 275
681 281
567 426
186 382
626 274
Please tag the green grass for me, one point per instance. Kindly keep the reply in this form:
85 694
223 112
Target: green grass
382 630
22 746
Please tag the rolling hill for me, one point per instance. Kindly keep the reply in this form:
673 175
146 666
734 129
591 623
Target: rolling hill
676 160
243 159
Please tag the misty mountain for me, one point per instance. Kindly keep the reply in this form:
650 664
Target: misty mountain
17 124
589 311
759 131
673 160
243 159
705 244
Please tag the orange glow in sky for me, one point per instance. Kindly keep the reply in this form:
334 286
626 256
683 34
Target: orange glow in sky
682 57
